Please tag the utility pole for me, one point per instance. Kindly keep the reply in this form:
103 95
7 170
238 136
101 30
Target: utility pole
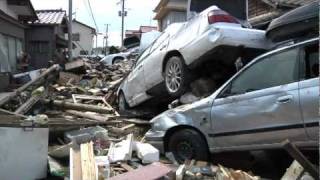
70 32
122 25
107 31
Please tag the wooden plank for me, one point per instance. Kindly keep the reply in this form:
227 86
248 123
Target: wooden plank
88 165
297 155
24 108
153 171
89 116
126 167
79 107
75 165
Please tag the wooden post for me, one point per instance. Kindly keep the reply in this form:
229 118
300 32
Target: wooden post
297 155
79 107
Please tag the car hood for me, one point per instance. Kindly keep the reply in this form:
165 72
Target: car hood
190 114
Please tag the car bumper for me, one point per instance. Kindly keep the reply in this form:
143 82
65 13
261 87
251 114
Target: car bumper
156 139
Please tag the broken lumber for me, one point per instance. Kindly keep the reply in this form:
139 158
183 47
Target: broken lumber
88 163
87 115
79 107
30 83
12 113
75 164
152 171
297 155
24 108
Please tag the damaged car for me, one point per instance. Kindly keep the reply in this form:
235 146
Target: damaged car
273 98
172 61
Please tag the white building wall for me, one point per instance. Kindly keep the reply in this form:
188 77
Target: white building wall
86 38
4 7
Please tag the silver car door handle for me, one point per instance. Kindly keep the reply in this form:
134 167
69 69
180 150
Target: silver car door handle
285 99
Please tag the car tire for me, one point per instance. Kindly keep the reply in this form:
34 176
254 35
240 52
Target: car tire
188 144
117 60
122 103
176 76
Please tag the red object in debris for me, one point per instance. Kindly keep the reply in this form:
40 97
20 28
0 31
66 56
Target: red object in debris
216 16
153 171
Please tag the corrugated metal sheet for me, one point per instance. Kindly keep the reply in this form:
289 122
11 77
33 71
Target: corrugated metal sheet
50 17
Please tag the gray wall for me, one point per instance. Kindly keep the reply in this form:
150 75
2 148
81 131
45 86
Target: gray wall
43 35
11 29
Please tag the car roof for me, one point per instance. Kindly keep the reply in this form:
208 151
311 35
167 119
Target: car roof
287 46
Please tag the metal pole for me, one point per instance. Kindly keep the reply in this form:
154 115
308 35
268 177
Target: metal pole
107 31
70 31
122 26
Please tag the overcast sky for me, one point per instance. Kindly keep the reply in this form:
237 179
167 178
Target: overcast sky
140 12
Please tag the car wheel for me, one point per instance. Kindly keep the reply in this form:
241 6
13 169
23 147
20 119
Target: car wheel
117 60
122 103
176 77
188 144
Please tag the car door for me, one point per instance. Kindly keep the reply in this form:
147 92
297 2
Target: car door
309 89
136 88
153 67
260 106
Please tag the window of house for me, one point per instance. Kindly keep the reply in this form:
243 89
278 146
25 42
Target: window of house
275 70
76 37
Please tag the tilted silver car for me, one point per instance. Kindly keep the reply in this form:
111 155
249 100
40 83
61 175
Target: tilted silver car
273 98
169 62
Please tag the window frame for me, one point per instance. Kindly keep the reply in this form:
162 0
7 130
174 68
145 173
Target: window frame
303 61
226 91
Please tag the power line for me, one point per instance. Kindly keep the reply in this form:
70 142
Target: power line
94 20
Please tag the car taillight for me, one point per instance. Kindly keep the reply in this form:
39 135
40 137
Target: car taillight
216 16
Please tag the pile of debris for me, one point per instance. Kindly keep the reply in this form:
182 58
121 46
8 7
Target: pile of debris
88 138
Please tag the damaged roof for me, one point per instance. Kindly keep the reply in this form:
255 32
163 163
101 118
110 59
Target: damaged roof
50 17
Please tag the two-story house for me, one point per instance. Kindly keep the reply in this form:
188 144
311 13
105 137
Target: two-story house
46 38
82 37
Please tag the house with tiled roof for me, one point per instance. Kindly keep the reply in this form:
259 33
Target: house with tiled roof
46 37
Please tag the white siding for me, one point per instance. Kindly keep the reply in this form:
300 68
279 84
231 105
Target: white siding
86 38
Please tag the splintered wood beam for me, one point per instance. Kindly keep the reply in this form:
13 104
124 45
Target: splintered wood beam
88 165
79 107
30 83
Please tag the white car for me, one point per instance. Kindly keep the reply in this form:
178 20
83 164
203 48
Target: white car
168 63
118 57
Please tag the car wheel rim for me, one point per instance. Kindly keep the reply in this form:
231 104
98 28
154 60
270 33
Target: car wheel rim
185 150
174 77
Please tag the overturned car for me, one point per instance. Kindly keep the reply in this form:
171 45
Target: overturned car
168 65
